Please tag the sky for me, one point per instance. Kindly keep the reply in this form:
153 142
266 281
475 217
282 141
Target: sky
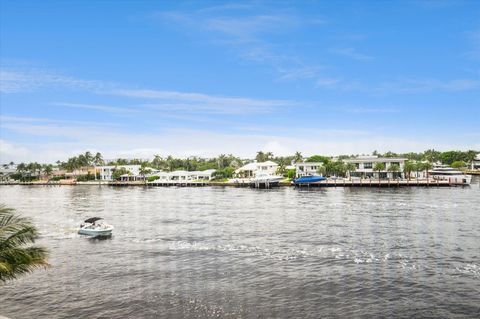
203 78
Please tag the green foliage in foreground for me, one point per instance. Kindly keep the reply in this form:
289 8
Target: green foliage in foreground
17 256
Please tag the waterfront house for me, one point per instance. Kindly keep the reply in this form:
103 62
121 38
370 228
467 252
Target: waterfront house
476 162
6 171
307 169
106 172
251 169
184 176
364 166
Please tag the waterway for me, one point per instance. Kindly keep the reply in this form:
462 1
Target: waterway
211 252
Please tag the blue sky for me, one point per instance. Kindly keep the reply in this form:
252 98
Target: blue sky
137 78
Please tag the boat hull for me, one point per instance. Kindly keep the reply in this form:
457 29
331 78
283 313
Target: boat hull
309 179
95 232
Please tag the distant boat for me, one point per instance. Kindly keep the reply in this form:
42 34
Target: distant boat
445 172
94 227
309 179
264 177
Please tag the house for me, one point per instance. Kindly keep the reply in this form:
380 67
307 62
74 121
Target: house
364 166
476 162
184 176
106 172
6 171
84 170
251 169
307 169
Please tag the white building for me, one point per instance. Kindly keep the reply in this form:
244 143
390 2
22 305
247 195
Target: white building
251 169
184 176
307 169
364 166
476 162
6 171
106 172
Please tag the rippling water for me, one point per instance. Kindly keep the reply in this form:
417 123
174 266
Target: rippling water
233 252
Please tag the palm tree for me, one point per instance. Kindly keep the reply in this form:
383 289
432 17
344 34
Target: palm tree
418 168
350 167
408 168
322 170
427 166
47 170
297 158
394 168
15 233
144 170
378 168
98 159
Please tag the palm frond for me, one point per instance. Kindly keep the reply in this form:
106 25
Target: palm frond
16 257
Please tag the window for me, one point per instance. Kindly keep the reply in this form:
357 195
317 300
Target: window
367 165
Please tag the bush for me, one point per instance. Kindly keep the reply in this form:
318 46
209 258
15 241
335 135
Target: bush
86 178
23 178
152 178
56 178
223 173
291 173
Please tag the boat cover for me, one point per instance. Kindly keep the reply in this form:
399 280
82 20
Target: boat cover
92 220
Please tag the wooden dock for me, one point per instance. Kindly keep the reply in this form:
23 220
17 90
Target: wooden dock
329 183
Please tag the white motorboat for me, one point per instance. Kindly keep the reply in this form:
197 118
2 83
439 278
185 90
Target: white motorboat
445 172
264 178
95 227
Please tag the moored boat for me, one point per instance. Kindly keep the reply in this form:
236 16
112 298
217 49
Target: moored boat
309 179
444 172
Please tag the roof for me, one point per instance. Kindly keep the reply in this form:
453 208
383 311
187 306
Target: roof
92 219
248 167
267 163
376 159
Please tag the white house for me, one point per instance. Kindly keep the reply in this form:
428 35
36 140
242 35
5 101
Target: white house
251 169
134 172
476 162
307 169
364 166
184 176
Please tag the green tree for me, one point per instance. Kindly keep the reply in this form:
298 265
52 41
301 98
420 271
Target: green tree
459 164
144 170
322 170
298 158
350 167
318 159
17 256
427 167
47 170
394 168
409 168
98 159
118 172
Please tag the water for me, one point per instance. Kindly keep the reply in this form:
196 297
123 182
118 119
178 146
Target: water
244 253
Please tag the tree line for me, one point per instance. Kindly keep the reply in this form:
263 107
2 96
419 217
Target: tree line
225 165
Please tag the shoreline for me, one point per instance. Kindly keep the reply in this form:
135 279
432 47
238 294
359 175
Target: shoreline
322 184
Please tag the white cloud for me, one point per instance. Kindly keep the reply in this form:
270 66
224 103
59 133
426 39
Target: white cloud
113 142
31 79
199 102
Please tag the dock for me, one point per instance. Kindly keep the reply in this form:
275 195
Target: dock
328 183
